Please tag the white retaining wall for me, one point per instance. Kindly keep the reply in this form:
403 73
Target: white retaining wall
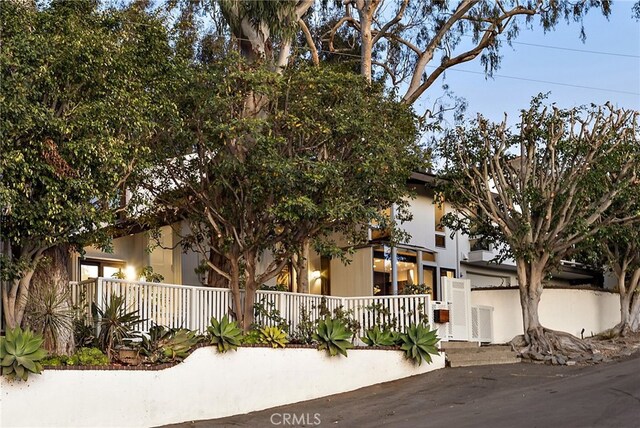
568 310
206 385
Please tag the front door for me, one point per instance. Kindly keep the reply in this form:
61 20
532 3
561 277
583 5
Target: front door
458 293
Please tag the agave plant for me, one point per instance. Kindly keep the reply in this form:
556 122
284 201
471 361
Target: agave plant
20 353
274 337
116 324
376 337
225 334
333 335
165 345
419 343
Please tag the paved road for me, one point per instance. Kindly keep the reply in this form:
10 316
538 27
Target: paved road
516 395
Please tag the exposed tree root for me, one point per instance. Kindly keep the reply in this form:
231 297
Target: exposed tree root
554 347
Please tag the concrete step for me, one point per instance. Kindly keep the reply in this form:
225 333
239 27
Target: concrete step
481 362
483 355
459 345
480 350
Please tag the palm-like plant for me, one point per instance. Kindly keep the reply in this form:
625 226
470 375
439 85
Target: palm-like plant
116 324
333 336
49 313
419 343
225 334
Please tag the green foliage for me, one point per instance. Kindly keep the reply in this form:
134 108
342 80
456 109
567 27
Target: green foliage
274 337
48 312
419 343
411 289
167 345
82 357
377 337
303 333
225 334
82 90
333 336
252 337
83 334
116 323
21 353
265 313
381 316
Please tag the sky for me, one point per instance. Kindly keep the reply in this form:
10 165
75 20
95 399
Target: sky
617 76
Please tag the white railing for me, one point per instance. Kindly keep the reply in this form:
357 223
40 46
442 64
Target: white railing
482 323
193 306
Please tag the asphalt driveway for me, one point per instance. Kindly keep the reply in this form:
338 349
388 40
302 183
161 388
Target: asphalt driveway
516 395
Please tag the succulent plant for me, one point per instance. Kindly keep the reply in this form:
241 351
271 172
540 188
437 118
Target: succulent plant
274 337
116 324
166 345
21 353
225 334
333 335
376 337
419 343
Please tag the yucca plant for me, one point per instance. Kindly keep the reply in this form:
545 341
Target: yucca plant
333 336
20 353
274 337
419 343
225 334
376 337
116 324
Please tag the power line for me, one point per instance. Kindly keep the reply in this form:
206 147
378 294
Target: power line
577 50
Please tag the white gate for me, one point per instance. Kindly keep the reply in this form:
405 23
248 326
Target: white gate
458 293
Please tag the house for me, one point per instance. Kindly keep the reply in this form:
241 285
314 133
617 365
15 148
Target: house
431 255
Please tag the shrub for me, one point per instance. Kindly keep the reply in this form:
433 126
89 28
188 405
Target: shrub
21 353
265 311
225 334
168 345
419 343
305 328
376 337
116 324
333 336
88 357
273 336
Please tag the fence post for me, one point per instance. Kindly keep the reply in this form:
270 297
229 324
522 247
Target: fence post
99 304
193 310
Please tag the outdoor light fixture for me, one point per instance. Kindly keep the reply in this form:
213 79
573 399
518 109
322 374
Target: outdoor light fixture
130 273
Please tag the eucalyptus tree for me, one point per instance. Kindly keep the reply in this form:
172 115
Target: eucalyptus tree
327 154
81 89
542 190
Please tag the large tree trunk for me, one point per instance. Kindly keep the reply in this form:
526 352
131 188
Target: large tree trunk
635 313
214 279
541 343
302 268
366 40
49 310
250 288
627 289
15 293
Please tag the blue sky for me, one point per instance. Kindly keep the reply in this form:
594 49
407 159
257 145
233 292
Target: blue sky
620 34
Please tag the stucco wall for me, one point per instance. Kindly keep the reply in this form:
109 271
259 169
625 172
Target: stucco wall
207 385
563 309
354 279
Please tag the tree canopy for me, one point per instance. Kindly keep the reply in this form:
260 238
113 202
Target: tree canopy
81 89
326 153
565 175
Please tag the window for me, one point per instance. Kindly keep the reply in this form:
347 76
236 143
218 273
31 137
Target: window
381 270
441 241
407 268
99 268
449 273
429 278
325 276
439 212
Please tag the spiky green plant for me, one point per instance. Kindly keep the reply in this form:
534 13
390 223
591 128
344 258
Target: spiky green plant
168 344
21 353
225 334
419 343
333 336
116 324
48 312
274 337
376 337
